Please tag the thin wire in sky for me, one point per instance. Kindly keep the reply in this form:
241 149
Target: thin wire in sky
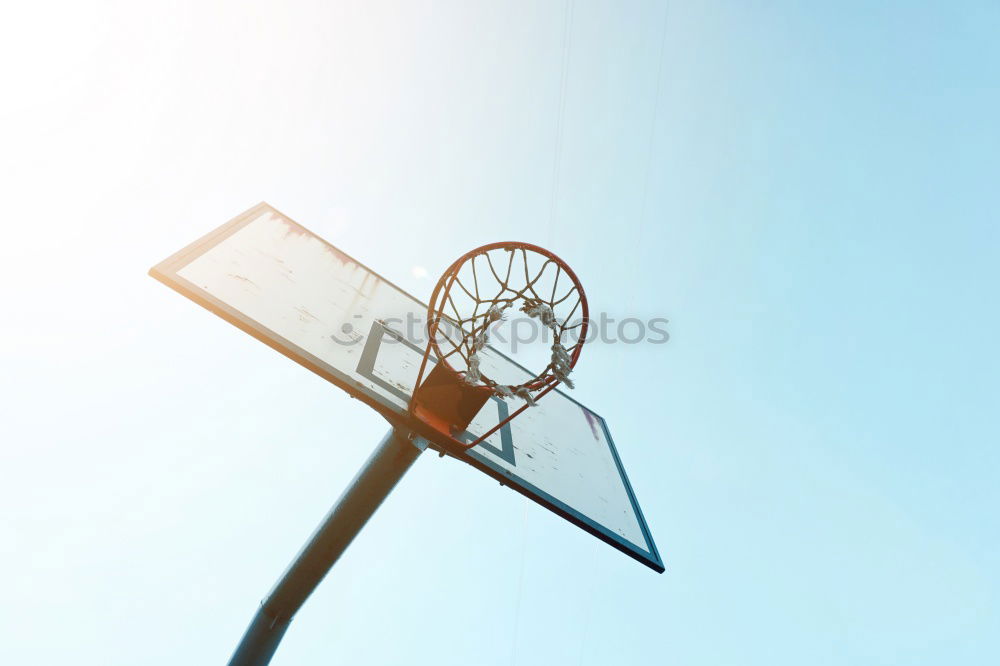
520 583
560 115
637 251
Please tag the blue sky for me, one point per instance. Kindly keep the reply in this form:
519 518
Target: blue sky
806 190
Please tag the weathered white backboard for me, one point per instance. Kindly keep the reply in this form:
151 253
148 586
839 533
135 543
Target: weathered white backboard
294 291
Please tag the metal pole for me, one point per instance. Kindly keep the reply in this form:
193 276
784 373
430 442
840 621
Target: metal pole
372 484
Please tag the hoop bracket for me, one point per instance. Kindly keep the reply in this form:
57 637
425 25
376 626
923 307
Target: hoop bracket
445 401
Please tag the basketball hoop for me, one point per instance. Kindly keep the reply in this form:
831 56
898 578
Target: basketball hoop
473 295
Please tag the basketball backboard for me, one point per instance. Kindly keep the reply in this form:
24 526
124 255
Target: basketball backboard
297 293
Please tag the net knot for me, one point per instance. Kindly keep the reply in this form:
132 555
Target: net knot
523 393
535 308
495 313
561 364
